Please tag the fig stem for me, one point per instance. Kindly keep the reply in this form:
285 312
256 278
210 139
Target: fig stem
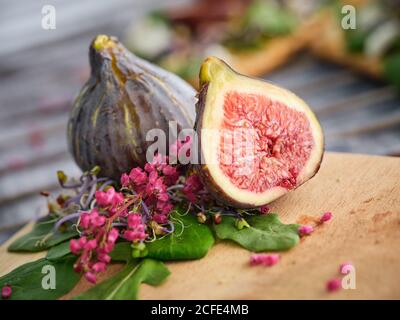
211 68
102 42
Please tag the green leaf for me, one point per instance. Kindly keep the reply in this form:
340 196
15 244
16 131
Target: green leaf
42 236
190 241
193 242
58 252
269 18
125 284
266 233
122 252
26 280
392 69
355 40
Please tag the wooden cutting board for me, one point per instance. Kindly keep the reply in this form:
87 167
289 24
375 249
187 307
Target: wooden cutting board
363 192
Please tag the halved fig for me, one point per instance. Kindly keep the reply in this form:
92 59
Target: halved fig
257 140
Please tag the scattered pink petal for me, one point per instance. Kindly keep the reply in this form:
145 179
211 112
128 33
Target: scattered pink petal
91 277
264 209
6 291
334 284
264 259
305 230
326 217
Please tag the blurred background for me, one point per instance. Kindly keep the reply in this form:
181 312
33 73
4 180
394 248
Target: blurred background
350 79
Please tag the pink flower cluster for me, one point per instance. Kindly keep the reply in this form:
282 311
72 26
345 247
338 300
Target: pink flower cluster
110 200
264 259
93 251
136 228
193 187
144 203
98 236
151 186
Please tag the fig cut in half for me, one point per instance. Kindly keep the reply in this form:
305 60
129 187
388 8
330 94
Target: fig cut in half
257 141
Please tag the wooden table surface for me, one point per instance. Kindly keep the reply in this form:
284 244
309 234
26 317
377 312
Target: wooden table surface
363 192
41 71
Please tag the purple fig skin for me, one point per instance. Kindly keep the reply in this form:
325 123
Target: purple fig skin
123 99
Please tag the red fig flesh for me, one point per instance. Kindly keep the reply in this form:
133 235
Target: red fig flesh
257 140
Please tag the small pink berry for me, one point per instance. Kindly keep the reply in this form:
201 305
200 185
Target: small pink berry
74 246
305 230
217 218
104 258
91 244
271 260
99 267
107 248
264 259
153 177
326 217
160 218
82 241
84 221
255 259
78 267
98 221
110 197
138 176
169 170
134 219
113 235
163 197
334 284
264 209
117 199
91 277
125 180
6 291
131 235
